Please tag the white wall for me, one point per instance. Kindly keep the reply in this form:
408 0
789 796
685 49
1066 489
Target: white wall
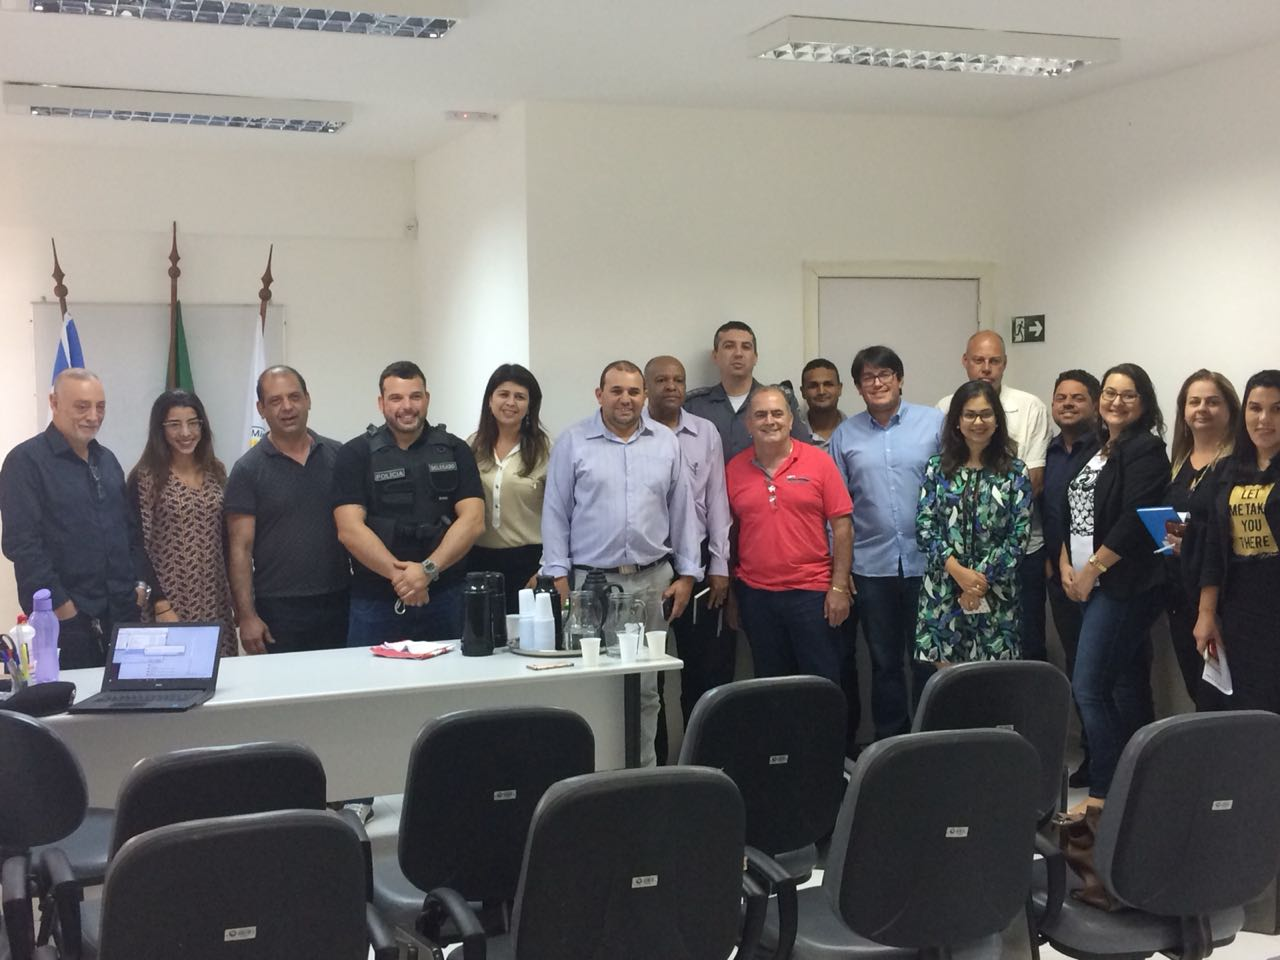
472 265
649 227
343 258
1146 228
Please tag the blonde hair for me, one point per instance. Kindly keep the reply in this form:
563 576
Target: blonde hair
1183 442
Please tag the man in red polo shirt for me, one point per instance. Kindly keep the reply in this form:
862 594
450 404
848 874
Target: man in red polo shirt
791 582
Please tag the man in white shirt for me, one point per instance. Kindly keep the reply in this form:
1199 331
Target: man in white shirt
1028 422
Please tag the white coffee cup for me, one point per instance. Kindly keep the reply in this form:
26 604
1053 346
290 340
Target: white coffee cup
628 645
590 651
513 627
655 644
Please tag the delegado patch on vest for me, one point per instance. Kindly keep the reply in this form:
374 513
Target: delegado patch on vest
441 467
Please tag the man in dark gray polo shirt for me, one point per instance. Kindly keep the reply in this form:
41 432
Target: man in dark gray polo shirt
290 576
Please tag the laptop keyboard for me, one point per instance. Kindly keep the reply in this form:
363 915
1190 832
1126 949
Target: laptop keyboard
140 696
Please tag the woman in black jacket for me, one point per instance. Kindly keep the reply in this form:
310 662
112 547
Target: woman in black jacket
1108 565
1240 596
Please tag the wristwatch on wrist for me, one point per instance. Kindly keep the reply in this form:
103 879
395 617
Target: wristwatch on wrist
146 591
431 570
1097 564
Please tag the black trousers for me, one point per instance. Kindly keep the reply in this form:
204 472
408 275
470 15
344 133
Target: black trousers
516 564
306 623
83 639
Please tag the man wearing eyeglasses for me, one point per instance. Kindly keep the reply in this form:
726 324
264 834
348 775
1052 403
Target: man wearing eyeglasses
881 454
792 583
68 526
1027 419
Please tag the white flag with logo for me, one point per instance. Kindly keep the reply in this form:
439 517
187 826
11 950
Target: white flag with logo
254 428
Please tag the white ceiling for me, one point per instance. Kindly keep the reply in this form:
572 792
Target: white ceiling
670 52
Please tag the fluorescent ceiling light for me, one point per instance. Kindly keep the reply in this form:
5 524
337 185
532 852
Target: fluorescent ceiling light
424 19
915 47
189 109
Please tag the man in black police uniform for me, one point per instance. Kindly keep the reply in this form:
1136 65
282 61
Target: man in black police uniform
69 525
725 404
408 505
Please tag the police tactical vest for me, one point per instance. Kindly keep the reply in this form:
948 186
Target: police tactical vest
411 504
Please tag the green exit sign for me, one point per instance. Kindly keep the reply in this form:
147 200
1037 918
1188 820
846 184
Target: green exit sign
1029 329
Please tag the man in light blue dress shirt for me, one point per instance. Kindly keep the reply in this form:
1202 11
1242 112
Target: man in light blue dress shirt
881 453
618 500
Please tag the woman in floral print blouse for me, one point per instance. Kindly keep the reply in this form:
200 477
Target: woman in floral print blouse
972 525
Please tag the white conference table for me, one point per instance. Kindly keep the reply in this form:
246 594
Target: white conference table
359 713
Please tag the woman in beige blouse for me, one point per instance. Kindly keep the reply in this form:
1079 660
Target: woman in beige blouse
511 450
177 490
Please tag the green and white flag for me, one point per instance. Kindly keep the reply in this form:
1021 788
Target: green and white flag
254 427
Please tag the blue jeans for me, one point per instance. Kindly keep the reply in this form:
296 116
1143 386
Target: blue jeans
789 633
372 622
1112 677
887 613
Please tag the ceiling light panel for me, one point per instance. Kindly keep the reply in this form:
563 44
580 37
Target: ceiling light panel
940 49
395 18
184 109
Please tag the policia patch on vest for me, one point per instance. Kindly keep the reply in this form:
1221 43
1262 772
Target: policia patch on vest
395 474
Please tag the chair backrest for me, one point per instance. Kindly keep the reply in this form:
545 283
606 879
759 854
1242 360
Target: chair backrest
1192 821
1027 696
782 741
256 887
208 782
474 780
934 842
632 864
42 790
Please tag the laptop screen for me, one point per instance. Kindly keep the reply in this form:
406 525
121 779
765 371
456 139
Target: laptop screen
164 655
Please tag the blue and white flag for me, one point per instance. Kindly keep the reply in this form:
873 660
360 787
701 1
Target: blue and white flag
69 353
255 428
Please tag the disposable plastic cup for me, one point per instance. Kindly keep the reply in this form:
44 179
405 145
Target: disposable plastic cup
590 651
655 644
628 645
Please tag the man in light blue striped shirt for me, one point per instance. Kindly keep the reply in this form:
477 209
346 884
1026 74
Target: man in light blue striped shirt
881 453
618 500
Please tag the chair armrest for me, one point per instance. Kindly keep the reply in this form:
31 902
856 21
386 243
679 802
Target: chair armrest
1055 871
778 881
756 897
352 819
380 938
19 918
470 930
60 897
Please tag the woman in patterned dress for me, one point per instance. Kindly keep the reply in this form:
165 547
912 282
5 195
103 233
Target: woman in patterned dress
177 490
972 525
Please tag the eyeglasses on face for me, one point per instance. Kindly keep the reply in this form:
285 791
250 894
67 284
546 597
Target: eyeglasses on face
1111 395
195 425
974 416
871 379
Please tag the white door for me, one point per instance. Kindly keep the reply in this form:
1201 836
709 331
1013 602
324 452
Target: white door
926 321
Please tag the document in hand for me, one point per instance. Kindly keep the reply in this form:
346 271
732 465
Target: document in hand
1216 671
1154 519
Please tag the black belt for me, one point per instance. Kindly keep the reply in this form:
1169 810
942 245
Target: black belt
626 568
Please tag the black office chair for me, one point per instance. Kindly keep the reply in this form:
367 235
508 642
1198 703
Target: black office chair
1027 696
782 741
1190 833
931 852
630 865
200 783
473 782
255 887
43 799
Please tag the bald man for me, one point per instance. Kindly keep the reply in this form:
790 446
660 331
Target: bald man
68 525
1028 421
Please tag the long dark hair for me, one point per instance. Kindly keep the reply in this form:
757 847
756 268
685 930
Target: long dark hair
1183 442
1245 457
535 446
1151 419
156 457
998 455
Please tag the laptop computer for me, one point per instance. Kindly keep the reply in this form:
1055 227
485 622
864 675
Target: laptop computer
157 666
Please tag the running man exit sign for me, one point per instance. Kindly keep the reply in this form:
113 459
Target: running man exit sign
1029 329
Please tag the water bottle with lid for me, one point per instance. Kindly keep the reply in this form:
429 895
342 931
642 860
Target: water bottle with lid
44 649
